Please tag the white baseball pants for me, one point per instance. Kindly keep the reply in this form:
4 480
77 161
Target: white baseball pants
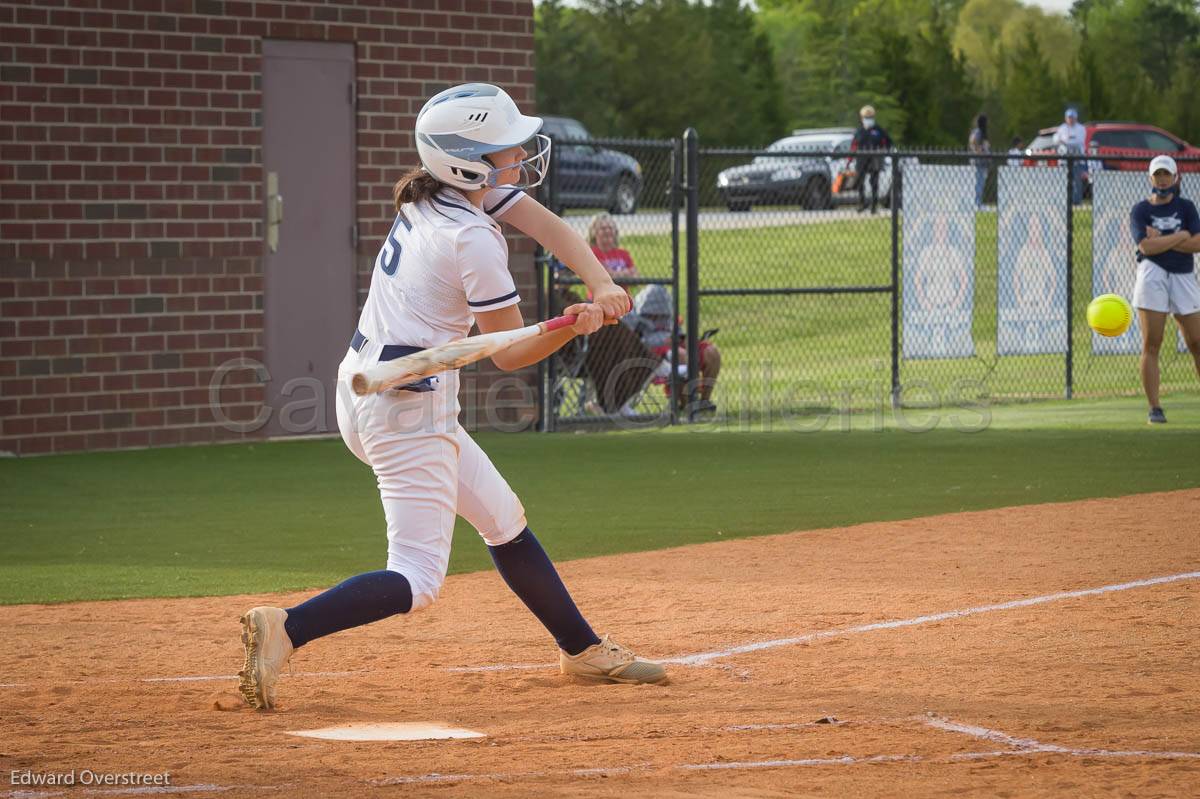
429 470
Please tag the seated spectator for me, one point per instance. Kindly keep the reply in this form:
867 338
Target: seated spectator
606 245
652 318
619 367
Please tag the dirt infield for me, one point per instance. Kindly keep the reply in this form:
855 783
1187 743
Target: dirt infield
1043 650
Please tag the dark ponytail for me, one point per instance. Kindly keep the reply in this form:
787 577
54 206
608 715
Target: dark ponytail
415 185
981 122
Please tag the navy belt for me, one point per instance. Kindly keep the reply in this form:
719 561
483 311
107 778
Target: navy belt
391 352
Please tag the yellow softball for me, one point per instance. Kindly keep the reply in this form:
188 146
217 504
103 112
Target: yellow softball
1109 315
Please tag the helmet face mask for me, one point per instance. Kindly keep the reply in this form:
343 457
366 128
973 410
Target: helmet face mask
533 168
458 129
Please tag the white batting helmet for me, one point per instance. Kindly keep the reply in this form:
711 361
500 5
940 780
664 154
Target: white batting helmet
459 127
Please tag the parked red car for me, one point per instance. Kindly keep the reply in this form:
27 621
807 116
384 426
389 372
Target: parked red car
1115 139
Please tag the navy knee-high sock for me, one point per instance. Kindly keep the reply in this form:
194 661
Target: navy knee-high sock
360 600
527 569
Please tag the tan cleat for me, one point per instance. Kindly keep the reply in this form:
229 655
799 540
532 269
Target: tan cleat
608 661
267 651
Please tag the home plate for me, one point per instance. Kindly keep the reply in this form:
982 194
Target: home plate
389 731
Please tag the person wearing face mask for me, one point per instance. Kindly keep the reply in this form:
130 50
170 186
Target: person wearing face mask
869 138
1069 139
1166 229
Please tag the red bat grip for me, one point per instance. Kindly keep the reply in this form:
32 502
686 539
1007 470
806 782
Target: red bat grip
559 322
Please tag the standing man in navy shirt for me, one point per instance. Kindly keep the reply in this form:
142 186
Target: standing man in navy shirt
869 138
1166 228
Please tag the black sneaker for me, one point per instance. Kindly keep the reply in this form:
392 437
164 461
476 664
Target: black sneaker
1157 416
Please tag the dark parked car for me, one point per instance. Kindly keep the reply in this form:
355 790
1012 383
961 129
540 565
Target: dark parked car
588 176
785 179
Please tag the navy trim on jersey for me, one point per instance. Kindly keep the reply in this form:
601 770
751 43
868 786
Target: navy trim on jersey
500 206
508 296
449 204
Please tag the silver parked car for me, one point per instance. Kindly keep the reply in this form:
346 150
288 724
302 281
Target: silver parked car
805 179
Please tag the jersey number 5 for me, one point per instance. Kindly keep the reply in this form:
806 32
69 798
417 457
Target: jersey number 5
388 259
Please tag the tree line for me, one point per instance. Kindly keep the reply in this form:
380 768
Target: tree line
745 74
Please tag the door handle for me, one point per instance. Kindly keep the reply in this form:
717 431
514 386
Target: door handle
274 211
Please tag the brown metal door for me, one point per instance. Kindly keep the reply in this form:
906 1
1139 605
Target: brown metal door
309 282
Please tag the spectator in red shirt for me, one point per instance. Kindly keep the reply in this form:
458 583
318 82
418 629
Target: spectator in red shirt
606 244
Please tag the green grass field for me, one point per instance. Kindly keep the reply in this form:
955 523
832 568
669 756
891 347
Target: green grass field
275 516
792 351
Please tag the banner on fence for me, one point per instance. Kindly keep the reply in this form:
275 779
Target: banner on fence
1114 261
1031 289
939 261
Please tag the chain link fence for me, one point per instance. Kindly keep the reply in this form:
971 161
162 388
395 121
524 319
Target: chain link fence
796 278
623 196
963 279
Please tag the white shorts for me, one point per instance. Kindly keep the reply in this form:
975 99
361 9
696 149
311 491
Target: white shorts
1167 292
429 471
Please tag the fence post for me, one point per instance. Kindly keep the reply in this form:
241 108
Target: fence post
1069 377
895 203
691 139
674 202
550 412
539 267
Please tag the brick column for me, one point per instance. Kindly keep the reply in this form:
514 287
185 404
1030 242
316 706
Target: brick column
131 235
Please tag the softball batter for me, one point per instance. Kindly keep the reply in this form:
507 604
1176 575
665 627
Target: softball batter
442 268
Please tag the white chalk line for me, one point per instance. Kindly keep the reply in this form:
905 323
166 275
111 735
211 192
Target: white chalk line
186 678
577 772
500 667
994 736
208 677
847 760
1020 747
704 658
1033 746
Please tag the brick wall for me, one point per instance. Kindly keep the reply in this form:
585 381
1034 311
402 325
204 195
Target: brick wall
131 211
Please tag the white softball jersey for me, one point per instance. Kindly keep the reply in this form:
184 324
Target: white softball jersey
443 261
